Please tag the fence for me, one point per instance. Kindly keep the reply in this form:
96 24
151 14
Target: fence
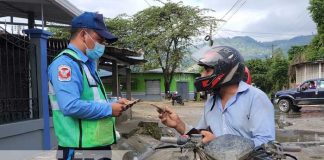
17 102
54 47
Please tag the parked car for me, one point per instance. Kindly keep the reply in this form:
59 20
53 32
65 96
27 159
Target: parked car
311 92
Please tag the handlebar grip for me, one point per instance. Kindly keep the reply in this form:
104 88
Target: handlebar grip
172 140
183 140
175 140
291 148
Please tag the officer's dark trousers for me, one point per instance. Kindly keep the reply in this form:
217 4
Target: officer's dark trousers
69 153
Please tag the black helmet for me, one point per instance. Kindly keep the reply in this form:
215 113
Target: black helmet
228 65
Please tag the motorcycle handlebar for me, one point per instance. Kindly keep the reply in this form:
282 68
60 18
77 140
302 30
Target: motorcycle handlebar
175 140
169 140
291 148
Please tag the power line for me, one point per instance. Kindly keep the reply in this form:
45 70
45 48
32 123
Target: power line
148 3
232 14
160 1
231 8
237 10
265 34
299 18
210 35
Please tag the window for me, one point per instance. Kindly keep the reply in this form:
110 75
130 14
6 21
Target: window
322 69
304 86
309 85
321 84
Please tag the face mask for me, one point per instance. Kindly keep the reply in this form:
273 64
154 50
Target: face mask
97 51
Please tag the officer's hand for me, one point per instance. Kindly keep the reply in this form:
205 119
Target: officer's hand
208 136
117 109
123 101
126 103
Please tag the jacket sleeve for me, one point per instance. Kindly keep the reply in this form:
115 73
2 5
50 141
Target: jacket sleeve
68 93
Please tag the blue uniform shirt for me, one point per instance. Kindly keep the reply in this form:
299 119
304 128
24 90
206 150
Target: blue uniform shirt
68 92
249 113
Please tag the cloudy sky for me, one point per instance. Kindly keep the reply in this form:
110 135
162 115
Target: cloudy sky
263 20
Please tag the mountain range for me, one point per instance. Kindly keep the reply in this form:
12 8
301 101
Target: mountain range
252 49
248 47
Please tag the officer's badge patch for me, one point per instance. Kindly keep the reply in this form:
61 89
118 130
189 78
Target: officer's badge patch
64 73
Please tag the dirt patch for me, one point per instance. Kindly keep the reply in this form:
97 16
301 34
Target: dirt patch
151 129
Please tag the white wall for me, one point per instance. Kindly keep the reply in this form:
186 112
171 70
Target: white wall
309 71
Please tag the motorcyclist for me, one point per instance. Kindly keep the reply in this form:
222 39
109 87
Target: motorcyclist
234 107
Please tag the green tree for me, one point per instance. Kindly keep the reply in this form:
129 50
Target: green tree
316 8
122 27
278 72
315 50
270 74
259 73
166 32
295 54
60 33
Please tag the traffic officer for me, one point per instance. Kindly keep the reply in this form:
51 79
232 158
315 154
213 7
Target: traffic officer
82 117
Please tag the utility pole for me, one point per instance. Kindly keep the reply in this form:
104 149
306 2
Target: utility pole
211 42
272 49
210 36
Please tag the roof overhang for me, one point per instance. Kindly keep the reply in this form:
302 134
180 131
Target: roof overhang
122 56
57 11
307 62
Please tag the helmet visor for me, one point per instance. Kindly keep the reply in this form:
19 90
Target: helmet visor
210 59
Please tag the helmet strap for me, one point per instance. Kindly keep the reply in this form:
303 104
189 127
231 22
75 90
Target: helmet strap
215 92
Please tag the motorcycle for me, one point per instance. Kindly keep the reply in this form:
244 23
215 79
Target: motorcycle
176 98
227 147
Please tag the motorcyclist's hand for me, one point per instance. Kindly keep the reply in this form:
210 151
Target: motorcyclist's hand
117 109
169 118
207 136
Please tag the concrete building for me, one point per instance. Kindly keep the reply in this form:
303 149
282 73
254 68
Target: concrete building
149 85
308 70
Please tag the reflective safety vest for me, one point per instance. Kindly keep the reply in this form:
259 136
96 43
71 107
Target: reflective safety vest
81 133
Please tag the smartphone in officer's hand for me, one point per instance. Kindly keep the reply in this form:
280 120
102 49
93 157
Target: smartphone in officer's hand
130 104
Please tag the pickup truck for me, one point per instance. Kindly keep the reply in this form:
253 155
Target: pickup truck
310 92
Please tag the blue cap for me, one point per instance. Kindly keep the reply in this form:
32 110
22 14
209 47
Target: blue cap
95 22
